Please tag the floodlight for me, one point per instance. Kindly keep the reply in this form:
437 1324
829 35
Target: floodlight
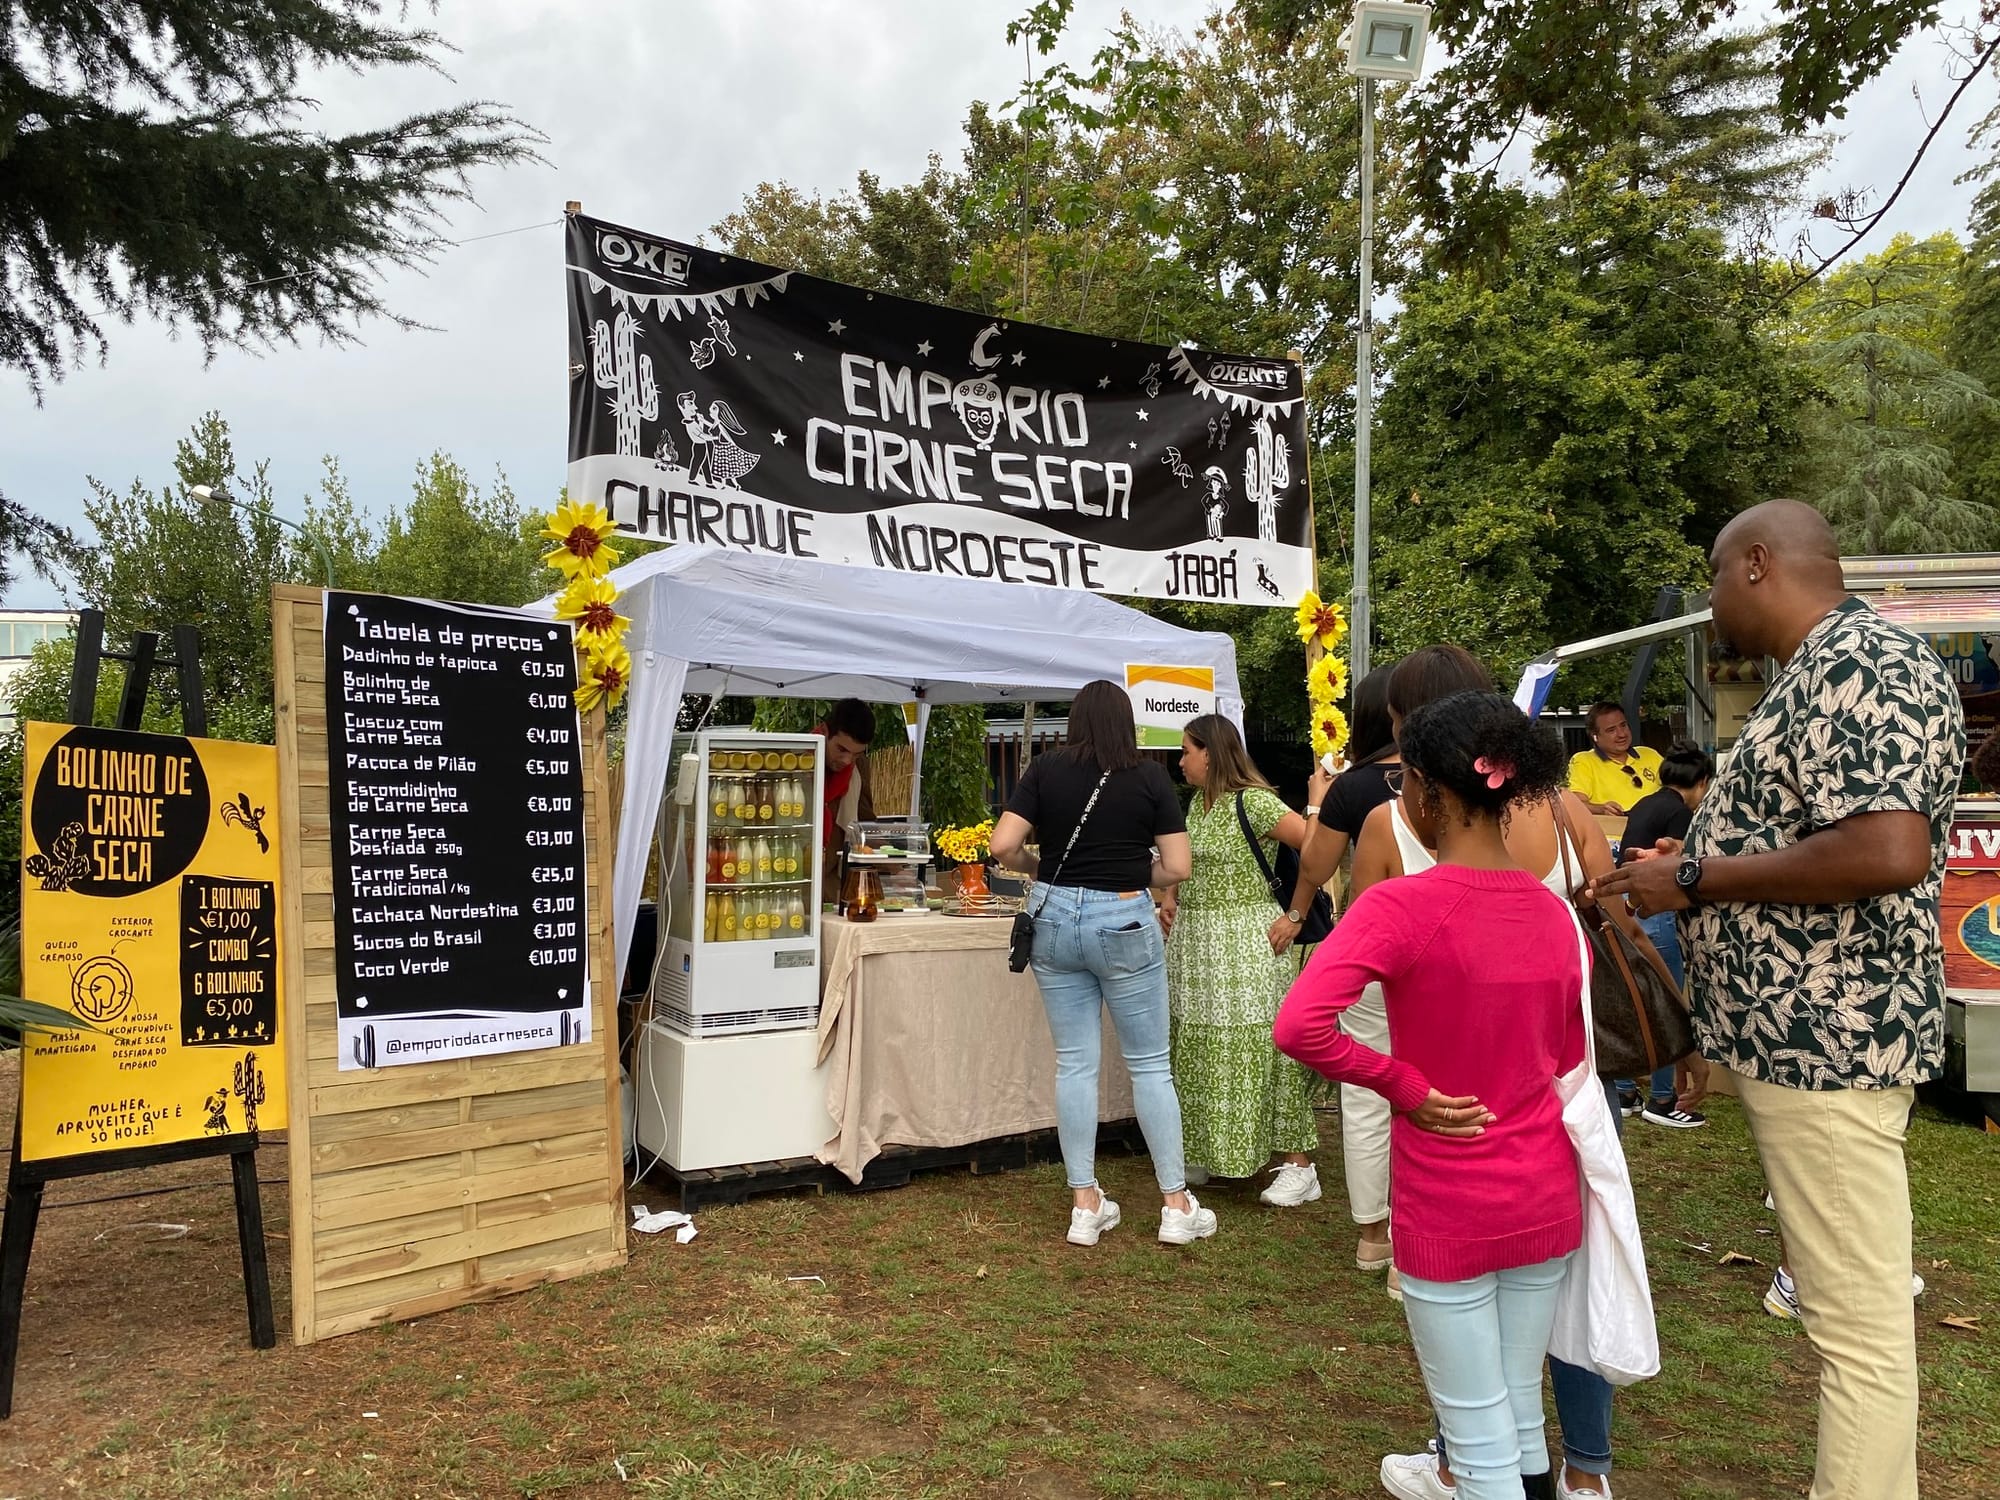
1387 40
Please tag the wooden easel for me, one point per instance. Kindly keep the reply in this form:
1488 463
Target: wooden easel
26 1179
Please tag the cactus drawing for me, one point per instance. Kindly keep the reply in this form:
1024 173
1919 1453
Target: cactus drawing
628 376
250 1089
1267 473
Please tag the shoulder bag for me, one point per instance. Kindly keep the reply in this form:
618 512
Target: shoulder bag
1640 1021
1604 1304
1021 937
1282 881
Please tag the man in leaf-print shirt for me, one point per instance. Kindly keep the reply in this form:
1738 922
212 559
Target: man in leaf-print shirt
1808 888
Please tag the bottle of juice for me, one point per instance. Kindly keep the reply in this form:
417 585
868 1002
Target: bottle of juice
763 856
795 912
746 860
725 919
714 860
708 919
725 865
767 800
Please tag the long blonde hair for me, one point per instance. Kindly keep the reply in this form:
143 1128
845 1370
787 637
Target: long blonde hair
1230 768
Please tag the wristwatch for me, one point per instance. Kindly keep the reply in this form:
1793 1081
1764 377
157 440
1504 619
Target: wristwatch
1296 918
1688 878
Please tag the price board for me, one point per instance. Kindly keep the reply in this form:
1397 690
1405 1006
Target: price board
456 792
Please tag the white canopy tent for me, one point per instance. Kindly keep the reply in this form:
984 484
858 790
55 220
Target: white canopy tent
710 621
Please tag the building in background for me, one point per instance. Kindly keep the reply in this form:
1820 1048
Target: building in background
21 630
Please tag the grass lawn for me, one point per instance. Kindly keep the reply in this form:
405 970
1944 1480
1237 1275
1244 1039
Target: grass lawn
946 1342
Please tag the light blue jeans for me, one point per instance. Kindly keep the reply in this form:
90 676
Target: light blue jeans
1481 1344
1096 950
1583 1397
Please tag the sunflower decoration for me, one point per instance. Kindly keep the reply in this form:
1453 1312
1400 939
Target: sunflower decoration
1329 731
1326 679
607 672
589 598
591 602
1322 627
579 532
1320 621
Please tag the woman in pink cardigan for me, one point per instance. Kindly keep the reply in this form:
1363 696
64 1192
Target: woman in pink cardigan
1480 967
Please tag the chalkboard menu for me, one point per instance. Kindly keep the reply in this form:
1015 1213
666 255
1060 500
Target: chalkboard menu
456 786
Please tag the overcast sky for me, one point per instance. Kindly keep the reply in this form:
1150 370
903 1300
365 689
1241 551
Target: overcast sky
661 114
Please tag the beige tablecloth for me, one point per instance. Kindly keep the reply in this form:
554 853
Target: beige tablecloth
930 1041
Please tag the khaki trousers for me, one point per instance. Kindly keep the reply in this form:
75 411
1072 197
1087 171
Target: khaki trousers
1834 1161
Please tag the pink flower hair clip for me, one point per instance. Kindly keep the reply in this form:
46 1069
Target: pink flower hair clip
1496 773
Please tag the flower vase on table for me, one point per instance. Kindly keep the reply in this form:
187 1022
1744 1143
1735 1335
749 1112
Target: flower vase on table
970 847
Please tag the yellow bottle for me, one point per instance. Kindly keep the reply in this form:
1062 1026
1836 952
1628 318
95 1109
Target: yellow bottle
795 912
708 918
763 854
725 923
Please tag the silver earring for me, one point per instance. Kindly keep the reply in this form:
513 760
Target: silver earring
1753 577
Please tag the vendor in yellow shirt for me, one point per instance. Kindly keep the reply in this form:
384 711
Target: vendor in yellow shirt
1614 775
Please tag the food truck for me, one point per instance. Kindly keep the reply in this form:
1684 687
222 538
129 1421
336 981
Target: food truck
1953 601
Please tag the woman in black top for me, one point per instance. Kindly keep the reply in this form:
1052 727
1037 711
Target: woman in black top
1111 831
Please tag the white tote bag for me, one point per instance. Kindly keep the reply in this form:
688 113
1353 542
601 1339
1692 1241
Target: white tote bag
1604 1308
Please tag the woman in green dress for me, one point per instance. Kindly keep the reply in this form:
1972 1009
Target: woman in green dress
1241 1100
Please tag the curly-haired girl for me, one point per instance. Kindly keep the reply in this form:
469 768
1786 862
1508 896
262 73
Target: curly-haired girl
1481 971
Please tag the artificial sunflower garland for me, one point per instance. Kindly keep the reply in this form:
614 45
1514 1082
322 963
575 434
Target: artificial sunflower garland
584 557
1322 627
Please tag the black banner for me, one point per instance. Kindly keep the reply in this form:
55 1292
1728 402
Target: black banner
723 403
456 786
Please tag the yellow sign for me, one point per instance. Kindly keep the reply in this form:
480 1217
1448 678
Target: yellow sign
1164 698
149 906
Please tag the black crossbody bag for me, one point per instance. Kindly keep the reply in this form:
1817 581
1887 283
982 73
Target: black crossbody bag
1021 939
1285 879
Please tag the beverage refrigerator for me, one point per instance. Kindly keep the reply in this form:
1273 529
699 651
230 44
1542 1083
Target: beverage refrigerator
728 1069
740 885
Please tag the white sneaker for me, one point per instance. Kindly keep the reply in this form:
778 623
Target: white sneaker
1291 1186
1178 1228
1395 1285
1086 1228
1414 1476
1916 1285
1564 1492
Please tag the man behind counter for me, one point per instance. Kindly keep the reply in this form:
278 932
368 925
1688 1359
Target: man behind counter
848 729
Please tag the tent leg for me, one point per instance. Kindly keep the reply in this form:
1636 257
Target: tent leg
917 761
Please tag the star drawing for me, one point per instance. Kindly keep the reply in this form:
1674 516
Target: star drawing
1142 414
778 438
798 356
924 347
1019 359
836 327
1103 382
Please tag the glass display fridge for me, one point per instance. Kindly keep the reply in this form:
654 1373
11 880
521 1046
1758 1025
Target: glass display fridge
728 1067
740 860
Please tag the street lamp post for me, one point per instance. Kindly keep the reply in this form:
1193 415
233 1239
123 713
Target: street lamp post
1386 41
215 496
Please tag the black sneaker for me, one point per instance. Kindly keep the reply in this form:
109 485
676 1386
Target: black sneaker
1673 1116
1628 1102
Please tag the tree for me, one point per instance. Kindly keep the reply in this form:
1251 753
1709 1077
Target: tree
152 161
1565 73
165 558
1563 440
455 542
1877 333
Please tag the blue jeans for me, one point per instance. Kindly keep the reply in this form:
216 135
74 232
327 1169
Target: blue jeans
1094 950
1583 1397
1481 1344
